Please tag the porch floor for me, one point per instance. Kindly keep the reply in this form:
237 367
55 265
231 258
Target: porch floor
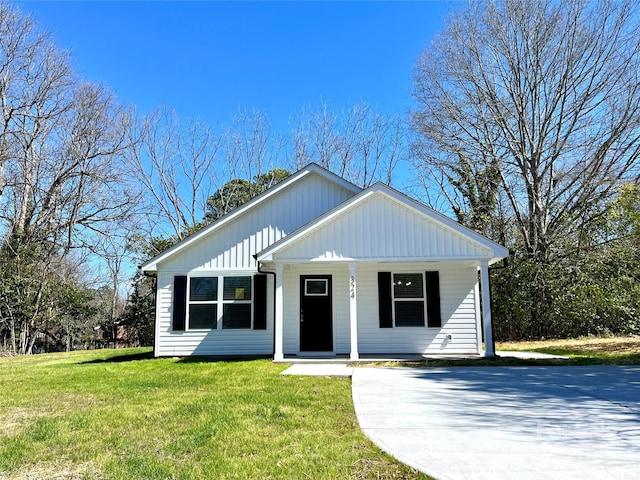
329 359
342 366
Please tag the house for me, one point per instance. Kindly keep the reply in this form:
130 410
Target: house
318 266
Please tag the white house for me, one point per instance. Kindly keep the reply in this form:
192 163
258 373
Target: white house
318 266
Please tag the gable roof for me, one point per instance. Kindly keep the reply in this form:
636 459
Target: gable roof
383 224
312 168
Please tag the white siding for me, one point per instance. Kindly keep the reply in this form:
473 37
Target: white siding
212 342
378 228
457 302
458 310
380 233
340 311
229 250
233 245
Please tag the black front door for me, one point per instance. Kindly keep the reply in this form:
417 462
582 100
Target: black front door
315 314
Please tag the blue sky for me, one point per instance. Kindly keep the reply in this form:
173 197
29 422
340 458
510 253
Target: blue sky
208 59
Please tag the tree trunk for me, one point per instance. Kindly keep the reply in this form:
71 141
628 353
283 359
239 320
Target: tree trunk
12 333
24 336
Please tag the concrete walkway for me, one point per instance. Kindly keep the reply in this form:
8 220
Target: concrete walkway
501 423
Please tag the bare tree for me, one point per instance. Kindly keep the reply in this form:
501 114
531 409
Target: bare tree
33 72
537 101
357 143
113 279
62 176
181 164
252 147
61 141
67 178
176 167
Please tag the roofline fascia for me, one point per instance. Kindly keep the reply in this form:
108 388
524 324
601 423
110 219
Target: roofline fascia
451 259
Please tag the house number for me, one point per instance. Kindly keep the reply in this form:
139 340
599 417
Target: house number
352 284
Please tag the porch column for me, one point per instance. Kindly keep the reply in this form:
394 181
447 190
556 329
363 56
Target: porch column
353 312
476 296
278 321
486 309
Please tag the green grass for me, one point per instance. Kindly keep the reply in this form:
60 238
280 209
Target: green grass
118 414
586 350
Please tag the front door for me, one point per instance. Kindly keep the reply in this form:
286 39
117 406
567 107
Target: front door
316 333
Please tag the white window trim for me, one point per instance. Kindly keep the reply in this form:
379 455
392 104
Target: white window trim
219 301
326 287
224 302
404 299
200 302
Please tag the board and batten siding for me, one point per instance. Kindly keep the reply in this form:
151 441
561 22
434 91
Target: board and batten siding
211 342
232 246
379 228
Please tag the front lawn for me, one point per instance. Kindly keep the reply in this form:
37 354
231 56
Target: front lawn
119 414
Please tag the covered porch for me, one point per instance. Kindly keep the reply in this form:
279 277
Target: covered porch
387 276
354 306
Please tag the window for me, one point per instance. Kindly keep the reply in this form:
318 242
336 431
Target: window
408 299
209 305
236 302
206 303
316 287
203 303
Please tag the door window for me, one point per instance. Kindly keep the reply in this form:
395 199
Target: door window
316 287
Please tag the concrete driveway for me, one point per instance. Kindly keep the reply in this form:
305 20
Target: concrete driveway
502 423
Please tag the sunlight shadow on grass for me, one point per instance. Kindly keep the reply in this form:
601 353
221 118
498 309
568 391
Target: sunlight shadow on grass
122 358
225 359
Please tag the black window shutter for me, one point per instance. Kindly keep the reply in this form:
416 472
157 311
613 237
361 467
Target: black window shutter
433 299
384 300
259 302
179 302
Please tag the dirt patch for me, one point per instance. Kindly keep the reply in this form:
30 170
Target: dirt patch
56 471
382 469
16 419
